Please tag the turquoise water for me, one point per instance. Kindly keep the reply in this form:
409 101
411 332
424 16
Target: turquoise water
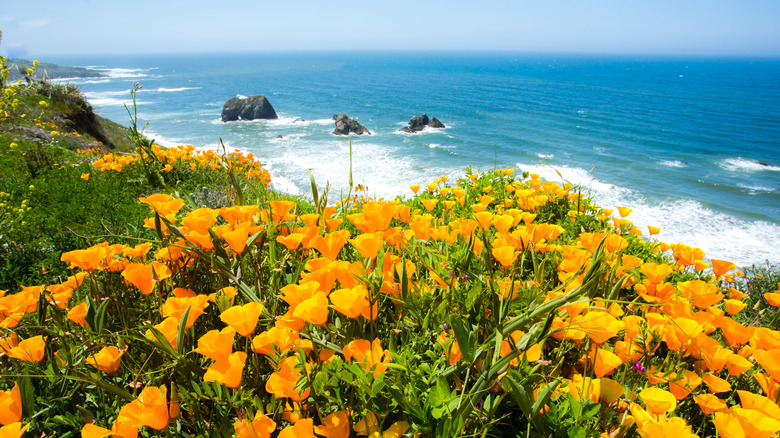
692 145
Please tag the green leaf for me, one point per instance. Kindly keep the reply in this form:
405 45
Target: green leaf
378 385
545 394
27 393
590 410
462 335
100 316
576 431
182 329
162 342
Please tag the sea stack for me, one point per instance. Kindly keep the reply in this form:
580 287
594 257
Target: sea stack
346 126
418 123
250 108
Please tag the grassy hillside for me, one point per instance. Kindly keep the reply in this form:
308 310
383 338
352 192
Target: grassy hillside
168 292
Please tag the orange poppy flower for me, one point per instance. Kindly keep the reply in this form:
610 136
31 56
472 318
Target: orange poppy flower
773 298
29 350
656 273
237 238
368 244
282 383
716 384
239 213
759 403
13 430
604 362
227 371
78 314
506 255
453 352
199 220
291 241
242 318
415 188
106 360
169 327
611 391
8 342
301 429
600 326
624 211
683 383
368 355
314 309
330 244
10 406
710 403
145 276
260 427
737 364
734 306
770 360
86 259
216 344
335 425
720 267
283 338
163 204
280 211
728 425
430 204
153 404
177 306
658 401
353 302
756 423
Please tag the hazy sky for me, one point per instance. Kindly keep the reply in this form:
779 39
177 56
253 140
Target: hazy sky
672 27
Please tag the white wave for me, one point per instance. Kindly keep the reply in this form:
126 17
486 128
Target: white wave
240 96
110 101
685 221
674 163
163 141
98 81
171 90
105 94
123 72
740 164
434 145
379 167
284 120
545 155
755 189
288 138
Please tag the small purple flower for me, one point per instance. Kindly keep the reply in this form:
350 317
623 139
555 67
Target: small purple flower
445 326
639 367
479 405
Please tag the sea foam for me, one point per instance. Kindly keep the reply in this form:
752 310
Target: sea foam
740 164
719 235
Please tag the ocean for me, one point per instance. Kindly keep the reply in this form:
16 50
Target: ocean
691 145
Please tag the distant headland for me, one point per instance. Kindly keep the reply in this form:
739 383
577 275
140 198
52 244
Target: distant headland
49 71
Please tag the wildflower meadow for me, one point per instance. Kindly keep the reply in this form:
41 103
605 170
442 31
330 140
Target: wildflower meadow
497 304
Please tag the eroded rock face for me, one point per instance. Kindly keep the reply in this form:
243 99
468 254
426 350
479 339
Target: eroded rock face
418 123
346 126
251 108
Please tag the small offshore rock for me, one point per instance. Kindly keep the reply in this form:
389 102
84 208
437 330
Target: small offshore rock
418 123
250 108
346 126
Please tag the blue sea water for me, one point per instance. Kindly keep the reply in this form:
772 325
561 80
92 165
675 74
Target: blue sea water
691 145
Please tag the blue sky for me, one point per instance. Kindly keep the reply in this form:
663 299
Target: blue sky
679 27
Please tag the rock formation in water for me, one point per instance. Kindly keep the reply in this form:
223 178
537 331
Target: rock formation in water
250 108
418 123
346 126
